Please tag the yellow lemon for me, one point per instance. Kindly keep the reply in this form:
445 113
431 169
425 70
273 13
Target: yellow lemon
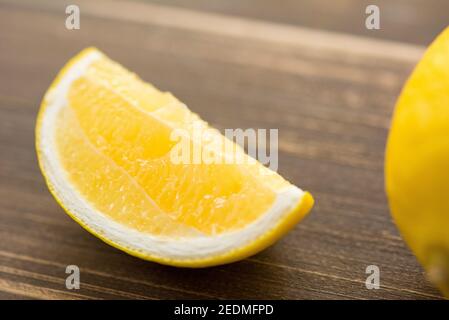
417 162
104 140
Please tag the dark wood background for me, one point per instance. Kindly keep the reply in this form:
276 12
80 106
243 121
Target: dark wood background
330 95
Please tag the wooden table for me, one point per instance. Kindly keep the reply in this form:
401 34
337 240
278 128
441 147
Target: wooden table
414 21
330 95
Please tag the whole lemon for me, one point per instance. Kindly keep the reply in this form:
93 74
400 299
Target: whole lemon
417 162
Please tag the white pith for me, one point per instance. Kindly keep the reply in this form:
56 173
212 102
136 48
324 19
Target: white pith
186 248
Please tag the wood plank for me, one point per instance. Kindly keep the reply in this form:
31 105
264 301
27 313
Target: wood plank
413 21
330 95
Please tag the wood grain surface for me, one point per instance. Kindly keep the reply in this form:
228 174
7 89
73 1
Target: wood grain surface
414 21
331 97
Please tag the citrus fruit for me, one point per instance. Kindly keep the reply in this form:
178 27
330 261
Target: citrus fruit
104 140
417 162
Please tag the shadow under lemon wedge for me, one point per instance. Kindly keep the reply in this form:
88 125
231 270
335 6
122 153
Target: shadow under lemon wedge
103 139
417 162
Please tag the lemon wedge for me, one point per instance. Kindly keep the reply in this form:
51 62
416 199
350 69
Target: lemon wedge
104 144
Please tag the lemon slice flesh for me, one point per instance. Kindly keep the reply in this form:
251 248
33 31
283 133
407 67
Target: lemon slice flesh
104 142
